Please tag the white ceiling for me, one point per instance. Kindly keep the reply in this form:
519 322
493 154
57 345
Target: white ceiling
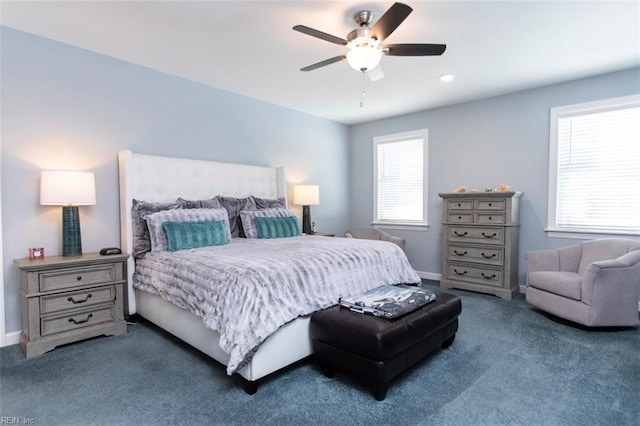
248 47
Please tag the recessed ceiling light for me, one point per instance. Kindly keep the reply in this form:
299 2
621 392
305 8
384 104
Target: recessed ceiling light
446 78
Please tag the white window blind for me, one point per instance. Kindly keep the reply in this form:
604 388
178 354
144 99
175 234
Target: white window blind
400 178
598 167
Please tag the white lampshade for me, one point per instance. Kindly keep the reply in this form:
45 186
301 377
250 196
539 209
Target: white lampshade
67 188
364 57
306 195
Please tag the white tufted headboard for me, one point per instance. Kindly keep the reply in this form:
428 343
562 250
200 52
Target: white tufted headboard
163 179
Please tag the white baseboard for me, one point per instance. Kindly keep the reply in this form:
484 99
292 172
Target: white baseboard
429 275
11 338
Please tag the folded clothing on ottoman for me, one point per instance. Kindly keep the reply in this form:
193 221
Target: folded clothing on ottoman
379 349
389 301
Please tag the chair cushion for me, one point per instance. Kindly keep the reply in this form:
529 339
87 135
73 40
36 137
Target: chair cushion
566 284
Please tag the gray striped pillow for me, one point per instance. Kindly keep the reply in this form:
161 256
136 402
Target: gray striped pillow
139 211
159 237
188 235
277 227
248 219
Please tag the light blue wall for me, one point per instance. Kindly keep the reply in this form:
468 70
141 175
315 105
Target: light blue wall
481 144
64 107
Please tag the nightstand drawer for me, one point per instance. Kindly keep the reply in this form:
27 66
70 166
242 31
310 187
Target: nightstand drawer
77 299
53 325
74 277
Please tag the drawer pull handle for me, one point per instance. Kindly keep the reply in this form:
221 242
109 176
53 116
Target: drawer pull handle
459 205
487 276
460 273
72 300
487 256
457 234
490 218
76 322
79 278
489 236
460 254
459 217
490 204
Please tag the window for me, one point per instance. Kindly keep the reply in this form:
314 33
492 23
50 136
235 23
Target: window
594 167
400 179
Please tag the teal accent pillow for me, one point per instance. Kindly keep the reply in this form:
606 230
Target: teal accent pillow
187 235
277 227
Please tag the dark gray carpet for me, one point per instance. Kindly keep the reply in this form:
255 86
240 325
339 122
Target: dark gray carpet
509 365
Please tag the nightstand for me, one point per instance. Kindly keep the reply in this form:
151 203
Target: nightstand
322 234
66 299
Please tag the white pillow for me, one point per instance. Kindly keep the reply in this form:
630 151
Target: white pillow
248 219
155 220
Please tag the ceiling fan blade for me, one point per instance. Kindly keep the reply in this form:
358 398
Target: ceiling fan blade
391 20
323 63
375 74
414 49
319 34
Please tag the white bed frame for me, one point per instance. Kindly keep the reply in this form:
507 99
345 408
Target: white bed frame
163 179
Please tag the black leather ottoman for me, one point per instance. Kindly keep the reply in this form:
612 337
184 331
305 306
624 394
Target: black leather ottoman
379 349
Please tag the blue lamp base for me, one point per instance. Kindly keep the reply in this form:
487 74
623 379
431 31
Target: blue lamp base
71 240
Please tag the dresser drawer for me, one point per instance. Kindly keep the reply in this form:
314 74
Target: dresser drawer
59 324
77 299
460 217
485 255
476 274
459 204
476 235
490 205
486 218
74 277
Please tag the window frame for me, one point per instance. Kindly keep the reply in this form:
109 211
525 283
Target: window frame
556 113
422 134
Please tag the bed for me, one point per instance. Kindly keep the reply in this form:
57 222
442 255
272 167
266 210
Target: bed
157 179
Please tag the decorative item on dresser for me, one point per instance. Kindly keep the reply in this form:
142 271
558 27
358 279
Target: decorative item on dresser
480 241
66 299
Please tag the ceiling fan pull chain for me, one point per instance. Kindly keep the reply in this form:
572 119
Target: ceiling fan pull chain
362 92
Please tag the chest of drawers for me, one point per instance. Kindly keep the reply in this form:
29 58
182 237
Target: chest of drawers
480 242
66 299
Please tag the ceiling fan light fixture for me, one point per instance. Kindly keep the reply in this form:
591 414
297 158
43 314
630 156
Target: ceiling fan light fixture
364 54
363 42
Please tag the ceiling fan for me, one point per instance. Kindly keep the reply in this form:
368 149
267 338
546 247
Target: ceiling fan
364 42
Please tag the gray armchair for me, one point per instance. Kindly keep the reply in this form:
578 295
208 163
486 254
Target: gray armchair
374 234
596 283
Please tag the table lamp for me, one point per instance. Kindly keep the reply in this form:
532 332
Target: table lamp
68 189
305 196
